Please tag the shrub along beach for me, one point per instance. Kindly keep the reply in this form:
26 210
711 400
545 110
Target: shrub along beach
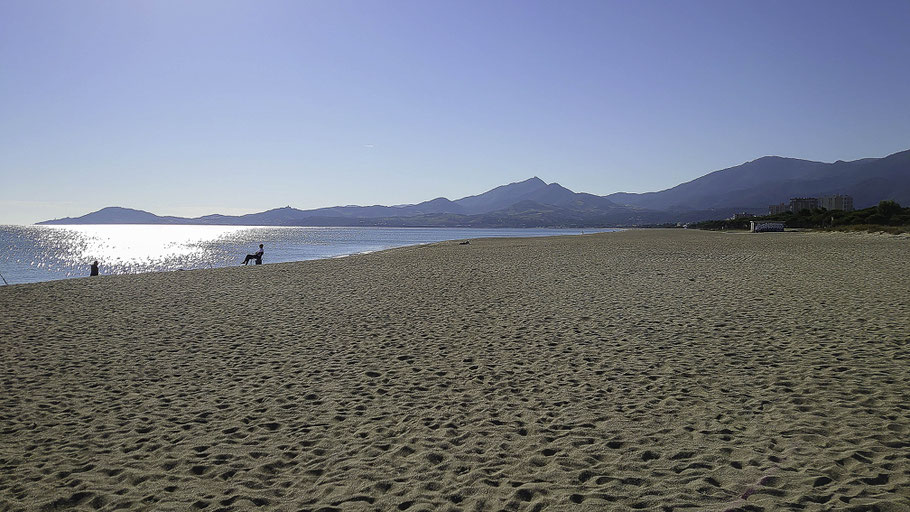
887 217
651 369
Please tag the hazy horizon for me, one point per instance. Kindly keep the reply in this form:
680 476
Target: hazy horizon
240 107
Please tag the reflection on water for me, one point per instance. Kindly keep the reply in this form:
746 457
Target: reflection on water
44 253
38 253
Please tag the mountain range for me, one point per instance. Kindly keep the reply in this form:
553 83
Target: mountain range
749 187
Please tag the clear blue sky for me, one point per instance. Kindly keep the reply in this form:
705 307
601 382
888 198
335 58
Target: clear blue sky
190 108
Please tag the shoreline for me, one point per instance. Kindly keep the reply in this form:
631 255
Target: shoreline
632 370
284 249
298 262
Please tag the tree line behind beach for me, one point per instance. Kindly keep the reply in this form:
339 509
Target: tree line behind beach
887 216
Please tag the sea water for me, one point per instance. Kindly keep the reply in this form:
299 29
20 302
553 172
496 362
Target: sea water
31 254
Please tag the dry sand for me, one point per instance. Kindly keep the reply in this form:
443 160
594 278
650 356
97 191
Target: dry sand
653 370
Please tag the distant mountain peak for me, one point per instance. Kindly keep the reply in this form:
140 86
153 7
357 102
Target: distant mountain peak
118 215
751 186
754 185
500 197
770 159
532 181
120 209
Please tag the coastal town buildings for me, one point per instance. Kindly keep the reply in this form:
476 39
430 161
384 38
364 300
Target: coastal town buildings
797 204
778 208
836 202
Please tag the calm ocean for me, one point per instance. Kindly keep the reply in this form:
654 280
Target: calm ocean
44 253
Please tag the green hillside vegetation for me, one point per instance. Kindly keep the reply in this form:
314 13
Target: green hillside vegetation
888 216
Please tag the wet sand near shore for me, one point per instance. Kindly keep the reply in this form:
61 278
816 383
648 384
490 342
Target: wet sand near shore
650 370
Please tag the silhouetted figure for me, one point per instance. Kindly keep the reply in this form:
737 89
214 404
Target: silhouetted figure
94 271
255 256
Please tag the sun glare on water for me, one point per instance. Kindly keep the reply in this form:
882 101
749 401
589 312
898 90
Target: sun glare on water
31 254
130 248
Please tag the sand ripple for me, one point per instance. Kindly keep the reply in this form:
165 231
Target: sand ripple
653 370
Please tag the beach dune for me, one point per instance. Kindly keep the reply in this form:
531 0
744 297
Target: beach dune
651 370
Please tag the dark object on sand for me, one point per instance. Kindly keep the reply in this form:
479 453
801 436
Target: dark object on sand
94 271
255 256
466 242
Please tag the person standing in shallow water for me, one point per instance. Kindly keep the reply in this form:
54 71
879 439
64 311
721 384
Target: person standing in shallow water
255 256
94 271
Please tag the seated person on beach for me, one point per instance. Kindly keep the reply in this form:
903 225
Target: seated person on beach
255 256
94 271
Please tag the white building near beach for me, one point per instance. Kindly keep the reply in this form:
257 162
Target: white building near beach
765 226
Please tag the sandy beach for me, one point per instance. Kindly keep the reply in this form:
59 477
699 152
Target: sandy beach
649 370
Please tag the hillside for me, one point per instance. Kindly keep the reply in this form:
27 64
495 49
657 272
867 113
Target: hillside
754 185
749 187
